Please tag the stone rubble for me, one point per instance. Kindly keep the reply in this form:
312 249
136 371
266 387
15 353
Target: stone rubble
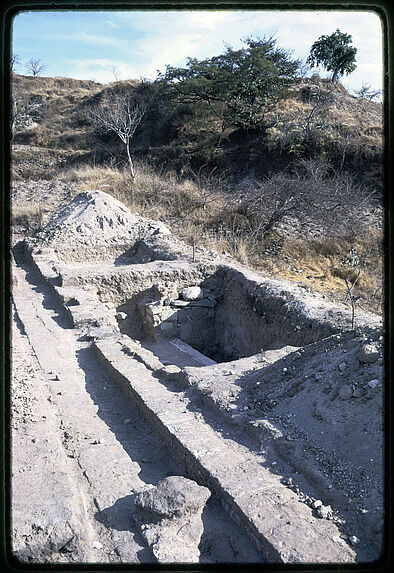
272 364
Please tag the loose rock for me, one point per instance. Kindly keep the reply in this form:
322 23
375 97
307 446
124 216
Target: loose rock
324 512
174 495
368 354
346 392
169 517
192 293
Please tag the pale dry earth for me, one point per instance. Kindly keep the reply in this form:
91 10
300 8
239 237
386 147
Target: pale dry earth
307 411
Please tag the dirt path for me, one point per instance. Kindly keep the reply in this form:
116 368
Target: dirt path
81 451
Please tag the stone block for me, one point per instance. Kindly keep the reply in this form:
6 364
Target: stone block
167 327
153 308
168 313
196 313
204 302
192 293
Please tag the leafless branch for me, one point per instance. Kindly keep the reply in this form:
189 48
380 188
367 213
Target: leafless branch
120 113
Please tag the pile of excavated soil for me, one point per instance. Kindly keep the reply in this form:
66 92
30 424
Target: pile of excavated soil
95 225
95 215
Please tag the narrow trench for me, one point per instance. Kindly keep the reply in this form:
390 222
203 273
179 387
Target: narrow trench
222 540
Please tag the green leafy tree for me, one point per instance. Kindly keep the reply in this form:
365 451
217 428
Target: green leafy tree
236 87
334 53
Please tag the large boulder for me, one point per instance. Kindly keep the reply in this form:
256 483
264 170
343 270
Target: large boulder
169 518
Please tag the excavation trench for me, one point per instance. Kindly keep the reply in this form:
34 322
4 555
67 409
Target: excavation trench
119 453
156 317
220 312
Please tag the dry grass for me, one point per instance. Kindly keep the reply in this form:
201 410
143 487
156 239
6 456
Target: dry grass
320 263
325 264
31 217
350 123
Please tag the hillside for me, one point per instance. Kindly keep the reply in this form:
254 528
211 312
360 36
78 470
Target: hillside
317 164
348 129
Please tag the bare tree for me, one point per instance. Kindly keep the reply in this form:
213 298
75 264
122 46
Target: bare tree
15 61
120 112
115 72
23 112
352 297
35 66
366 92
303 68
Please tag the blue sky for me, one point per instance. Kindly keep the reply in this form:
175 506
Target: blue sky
108 45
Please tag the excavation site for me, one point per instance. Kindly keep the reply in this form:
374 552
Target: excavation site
173 406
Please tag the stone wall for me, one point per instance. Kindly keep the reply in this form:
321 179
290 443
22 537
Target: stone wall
222 312
171 310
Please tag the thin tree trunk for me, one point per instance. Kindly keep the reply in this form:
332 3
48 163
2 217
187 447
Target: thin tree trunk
13 116
130 159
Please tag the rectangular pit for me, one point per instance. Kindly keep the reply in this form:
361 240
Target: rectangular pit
236 314
233 316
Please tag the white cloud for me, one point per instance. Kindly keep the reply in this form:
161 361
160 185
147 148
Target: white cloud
100 69
169 38
159 51
139 43
97 40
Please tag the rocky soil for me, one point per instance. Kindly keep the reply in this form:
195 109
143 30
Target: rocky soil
316 414
86 465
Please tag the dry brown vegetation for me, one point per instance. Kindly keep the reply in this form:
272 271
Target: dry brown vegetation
30 217
208 209
317 262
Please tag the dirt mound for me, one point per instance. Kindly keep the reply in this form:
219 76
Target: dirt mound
96 225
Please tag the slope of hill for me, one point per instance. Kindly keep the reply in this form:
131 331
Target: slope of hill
317 118
251 196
